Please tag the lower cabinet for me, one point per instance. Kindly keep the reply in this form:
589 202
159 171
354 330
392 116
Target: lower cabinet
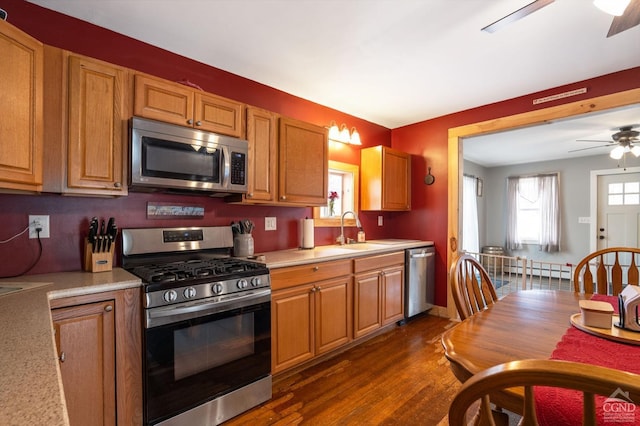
378 292
320 307
309 317
98 341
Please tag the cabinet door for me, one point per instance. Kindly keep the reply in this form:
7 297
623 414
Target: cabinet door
97 127
392 294
303 163
262 134
85 339
162 100
396 189
291 327
21 125
366 293
333 314
217 114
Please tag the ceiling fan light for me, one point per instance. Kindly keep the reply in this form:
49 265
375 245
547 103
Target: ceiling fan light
617 153
612 7
635 150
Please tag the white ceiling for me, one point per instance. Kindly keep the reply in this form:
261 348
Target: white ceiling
391 62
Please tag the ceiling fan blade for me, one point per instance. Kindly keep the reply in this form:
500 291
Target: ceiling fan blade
629 19
592 140
591 147
518 14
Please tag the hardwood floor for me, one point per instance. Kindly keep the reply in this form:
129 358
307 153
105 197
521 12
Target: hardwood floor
398 378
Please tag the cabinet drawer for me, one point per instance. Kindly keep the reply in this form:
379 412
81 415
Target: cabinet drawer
377 262
303 274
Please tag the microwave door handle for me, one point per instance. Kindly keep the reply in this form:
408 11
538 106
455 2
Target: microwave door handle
226 167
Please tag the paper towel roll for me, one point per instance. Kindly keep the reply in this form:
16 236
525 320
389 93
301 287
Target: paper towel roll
307 230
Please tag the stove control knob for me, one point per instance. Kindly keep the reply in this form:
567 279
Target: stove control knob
242 284
217 288
256 281
189 292
170 296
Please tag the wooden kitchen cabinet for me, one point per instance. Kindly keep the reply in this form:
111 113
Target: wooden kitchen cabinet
303 163
311 311
385 179
378 292
262 133
180 104
87 109
21 109
98 339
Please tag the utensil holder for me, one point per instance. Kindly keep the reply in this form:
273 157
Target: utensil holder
99 261
243 245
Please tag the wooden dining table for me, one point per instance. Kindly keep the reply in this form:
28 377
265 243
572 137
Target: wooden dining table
523 325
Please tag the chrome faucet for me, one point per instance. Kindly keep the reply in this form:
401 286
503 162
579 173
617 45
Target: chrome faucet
340 240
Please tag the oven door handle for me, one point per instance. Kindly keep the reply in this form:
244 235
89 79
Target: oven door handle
175 313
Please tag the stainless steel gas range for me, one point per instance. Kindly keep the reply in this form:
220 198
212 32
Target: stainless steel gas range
207 325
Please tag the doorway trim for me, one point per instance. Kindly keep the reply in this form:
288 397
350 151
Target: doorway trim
531 118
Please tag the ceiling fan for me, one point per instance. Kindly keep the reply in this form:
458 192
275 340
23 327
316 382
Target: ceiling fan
626 14
624 140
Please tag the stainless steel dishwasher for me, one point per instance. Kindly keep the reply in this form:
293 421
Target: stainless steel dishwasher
419 280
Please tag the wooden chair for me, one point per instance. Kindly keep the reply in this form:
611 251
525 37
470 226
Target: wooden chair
610 274
471 286
590 379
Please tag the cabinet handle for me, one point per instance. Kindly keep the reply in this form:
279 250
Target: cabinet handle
316 268
318 288
382 274
284 197
190 121
108 308
313 290
198 123
62 357
249 195
117 184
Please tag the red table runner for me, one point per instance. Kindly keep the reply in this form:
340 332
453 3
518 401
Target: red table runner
559 407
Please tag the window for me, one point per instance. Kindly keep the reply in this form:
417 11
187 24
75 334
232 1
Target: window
533 212
624 193
344 182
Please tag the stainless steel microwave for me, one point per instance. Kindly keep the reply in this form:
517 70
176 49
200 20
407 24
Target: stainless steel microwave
169 157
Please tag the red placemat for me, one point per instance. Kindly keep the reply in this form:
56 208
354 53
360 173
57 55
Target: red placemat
559 407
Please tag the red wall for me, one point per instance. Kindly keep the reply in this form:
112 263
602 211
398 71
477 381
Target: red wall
427 141
69 215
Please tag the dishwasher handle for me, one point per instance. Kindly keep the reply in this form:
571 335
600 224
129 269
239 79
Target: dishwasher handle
419 255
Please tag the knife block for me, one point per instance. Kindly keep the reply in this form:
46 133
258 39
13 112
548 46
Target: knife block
99 261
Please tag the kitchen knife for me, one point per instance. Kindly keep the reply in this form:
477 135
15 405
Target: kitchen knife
102 239
112 231
93 231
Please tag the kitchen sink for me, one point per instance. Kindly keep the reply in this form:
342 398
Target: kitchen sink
362 246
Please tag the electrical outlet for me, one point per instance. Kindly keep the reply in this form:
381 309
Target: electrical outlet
270 224
42 222
379 220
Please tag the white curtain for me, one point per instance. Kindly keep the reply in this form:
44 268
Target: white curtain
470 239
549 209
549 213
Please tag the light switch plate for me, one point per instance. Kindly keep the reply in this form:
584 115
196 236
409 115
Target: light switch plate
270 224
584 219
379 220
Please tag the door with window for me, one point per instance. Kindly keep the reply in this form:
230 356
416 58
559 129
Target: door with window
618 210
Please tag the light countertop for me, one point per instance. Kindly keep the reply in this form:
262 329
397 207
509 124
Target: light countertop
30 384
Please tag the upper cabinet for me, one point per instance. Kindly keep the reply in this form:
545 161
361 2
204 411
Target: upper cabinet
179 104
262 133
302 163
21 126
385 179
87 109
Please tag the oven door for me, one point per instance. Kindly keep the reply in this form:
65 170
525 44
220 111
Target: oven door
208 352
